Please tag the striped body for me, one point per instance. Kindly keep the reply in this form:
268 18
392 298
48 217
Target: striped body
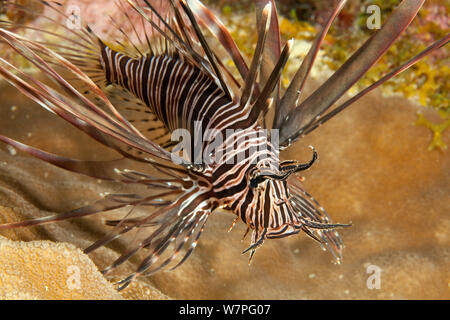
180 95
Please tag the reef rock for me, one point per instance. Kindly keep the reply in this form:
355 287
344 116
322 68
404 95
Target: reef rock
47 270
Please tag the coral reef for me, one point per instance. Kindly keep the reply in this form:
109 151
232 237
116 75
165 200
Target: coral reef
374 171
49 270
427 82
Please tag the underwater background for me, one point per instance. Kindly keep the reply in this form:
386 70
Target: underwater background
383 166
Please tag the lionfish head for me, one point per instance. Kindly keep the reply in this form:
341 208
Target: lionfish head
276 205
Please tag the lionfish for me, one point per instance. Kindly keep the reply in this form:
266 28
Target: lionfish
134 93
